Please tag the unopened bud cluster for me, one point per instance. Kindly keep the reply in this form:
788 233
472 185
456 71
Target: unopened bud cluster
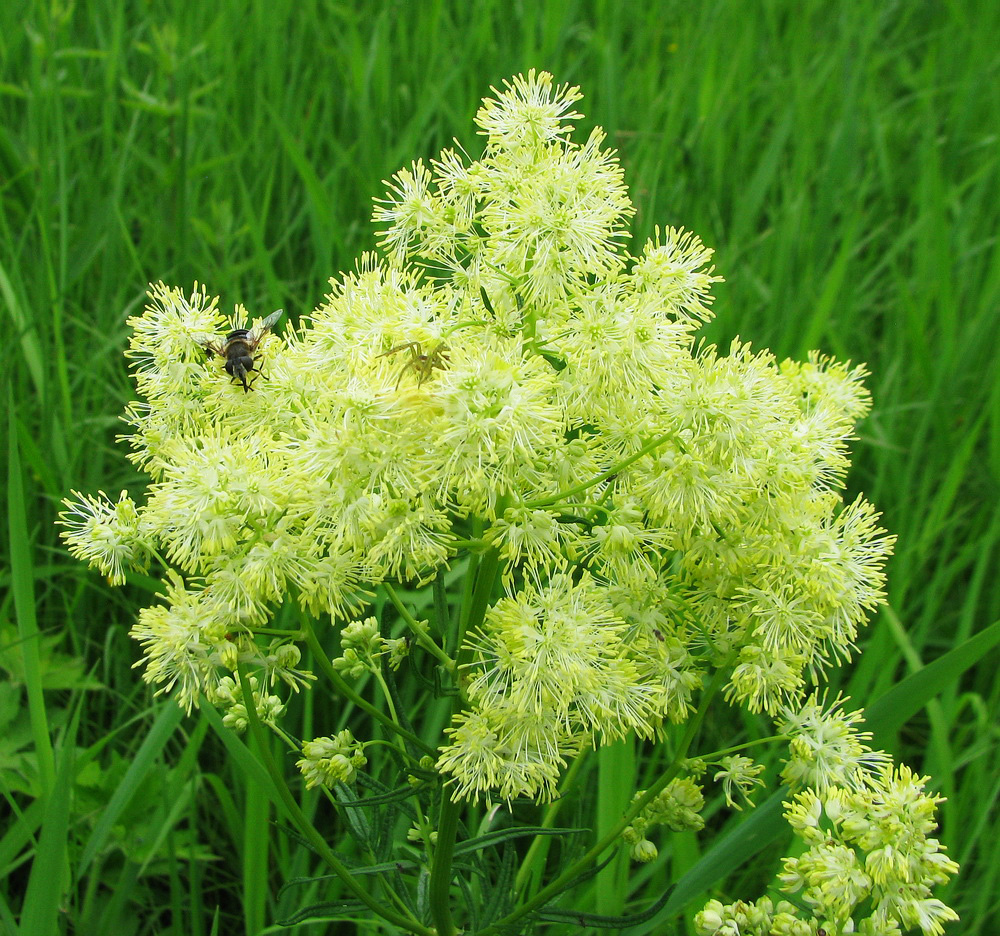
327 761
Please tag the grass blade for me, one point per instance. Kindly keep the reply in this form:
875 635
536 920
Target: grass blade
23 588
44 895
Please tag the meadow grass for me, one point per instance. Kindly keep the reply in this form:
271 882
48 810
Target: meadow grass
841 157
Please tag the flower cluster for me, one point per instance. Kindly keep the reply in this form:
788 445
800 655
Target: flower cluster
867 866
506 381
105 534
866 863
826 749
739 775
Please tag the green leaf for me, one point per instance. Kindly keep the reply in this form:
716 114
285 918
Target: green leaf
393 796
242 757
498 897
605 921
45 893
330 911
492 839
23 590
893 709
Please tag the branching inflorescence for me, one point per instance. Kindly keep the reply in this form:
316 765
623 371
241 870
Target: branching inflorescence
506 382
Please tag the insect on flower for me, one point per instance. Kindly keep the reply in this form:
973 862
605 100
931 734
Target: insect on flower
239 348
420 363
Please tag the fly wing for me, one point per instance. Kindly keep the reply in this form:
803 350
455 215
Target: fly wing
271 319
210 343
264 327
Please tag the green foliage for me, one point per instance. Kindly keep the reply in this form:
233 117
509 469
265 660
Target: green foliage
841 159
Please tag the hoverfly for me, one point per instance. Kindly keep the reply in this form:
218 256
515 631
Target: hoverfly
239 348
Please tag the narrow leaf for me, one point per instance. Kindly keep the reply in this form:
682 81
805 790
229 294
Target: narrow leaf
498 837
331 911
889 712
43 898
499 898
605 921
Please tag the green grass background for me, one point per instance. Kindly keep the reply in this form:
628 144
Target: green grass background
842 158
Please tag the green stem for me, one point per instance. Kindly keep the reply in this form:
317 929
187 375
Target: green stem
380 679
489 567
439 890
441 869
420 632
297 634
342 688
604 475
473 545
442 613
714 756
468 590
582 505
306 828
